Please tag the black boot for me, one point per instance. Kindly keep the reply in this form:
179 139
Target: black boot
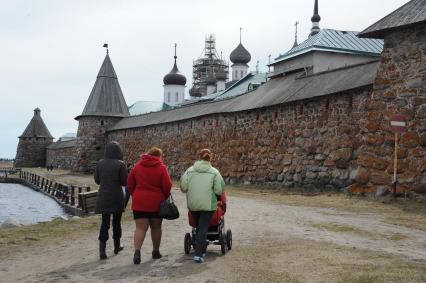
102 248
137 257
156 254
117 246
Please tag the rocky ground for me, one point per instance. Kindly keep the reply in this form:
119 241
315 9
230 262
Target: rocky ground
276 238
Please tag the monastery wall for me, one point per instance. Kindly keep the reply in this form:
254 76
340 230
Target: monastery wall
312 143
60 157
400 88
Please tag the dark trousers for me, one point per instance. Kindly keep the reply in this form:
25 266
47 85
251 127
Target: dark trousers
202 218
116 226
127 197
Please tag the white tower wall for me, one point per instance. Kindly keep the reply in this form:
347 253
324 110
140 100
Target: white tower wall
239 71
174 94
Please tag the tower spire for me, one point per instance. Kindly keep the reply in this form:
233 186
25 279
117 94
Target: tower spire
295 35
106 46
240 33
315 20
175 52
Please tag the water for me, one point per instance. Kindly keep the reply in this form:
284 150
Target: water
25 205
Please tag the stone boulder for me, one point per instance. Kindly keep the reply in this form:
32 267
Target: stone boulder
10 223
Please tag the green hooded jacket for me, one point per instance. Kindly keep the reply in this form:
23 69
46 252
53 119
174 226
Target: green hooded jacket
202 183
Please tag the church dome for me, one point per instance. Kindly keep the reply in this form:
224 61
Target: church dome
240 55
174 77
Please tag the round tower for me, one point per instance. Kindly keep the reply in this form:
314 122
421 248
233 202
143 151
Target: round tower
174 85
31 151
104 108
239 57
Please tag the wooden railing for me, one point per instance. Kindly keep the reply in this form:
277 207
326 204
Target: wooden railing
66 194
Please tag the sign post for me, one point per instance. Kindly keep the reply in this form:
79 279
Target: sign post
398 125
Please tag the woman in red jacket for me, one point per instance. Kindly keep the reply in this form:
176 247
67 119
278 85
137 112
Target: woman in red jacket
149 184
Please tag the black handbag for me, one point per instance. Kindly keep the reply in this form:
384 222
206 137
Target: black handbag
168 209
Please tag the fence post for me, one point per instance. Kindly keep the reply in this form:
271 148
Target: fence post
20 174
65 196
55 187
42 183
59 192
72 196
80 189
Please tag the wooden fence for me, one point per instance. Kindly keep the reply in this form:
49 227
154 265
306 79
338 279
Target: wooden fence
69 195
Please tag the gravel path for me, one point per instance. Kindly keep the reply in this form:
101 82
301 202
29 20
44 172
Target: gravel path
253 222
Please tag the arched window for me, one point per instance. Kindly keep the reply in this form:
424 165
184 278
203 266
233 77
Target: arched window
242 73
168 96
177 97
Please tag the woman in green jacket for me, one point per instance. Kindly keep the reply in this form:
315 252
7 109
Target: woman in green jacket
202 183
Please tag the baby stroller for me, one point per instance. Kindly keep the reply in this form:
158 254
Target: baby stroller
216 234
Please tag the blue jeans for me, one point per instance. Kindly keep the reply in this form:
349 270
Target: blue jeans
202 218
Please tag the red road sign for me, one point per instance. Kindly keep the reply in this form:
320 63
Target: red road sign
398 123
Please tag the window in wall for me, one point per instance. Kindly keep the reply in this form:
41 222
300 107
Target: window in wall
242 73
236 74
102 122
177 97
168 97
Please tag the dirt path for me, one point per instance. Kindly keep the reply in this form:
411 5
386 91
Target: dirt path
272 242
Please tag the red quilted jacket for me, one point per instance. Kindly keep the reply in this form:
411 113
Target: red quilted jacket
149 184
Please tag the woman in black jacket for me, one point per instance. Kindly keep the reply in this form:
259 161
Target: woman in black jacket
111 175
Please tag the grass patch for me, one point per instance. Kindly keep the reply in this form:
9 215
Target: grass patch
297 260
344 228
14 239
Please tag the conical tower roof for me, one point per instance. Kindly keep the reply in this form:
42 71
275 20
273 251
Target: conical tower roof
106 98
36 128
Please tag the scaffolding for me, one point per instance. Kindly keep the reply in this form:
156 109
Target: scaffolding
208 69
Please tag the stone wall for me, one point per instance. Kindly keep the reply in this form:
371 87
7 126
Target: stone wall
60 158
31 152
399 87
91 140
311 143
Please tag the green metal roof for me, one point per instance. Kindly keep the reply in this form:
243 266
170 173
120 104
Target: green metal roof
143 107
242 86
335 41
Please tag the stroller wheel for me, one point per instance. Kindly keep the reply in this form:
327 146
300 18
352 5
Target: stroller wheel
187 243
229 239
222 241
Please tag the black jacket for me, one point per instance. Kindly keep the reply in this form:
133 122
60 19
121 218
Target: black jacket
111 175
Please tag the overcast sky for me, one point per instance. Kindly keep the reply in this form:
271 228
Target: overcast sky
51 51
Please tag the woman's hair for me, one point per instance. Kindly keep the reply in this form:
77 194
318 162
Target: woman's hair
206 154
155 151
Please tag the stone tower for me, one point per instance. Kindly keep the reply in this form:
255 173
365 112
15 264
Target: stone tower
32 144
105 107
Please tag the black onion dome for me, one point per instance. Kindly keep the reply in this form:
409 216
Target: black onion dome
315 18
174 77
240 55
